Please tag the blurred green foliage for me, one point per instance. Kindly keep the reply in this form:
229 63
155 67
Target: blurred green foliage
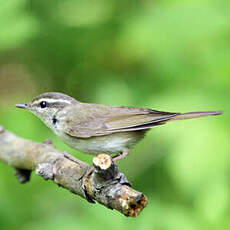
165 54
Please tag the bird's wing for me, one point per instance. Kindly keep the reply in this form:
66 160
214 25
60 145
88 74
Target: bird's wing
88 120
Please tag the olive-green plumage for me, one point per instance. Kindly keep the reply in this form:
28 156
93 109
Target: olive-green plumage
95 128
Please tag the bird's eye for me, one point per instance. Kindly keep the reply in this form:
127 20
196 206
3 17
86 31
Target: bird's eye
43 104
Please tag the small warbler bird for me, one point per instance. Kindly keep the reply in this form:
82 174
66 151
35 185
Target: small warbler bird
96 128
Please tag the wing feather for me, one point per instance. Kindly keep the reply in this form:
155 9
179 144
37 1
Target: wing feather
88 120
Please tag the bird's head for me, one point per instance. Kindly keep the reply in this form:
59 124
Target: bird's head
47 105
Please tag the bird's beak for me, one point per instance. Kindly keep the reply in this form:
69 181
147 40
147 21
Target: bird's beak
22 106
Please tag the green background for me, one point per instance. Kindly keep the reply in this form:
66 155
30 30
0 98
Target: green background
168 55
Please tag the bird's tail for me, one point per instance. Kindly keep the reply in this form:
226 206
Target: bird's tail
190 115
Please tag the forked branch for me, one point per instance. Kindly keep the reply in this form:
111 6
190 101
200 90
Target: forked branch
102 182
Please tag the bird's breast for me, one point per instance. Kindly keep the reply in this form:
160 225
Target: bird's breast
112 143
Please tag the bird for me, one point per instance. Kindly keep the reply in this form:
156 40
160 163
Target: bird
96 128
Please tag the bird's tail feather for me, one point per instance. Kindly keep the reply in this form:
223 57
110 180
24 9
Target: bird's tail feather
190 115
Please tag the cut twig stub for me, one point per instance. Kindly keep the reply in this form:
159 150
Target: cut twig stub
23 175
102 161
104 167
45 170
107 184
130 202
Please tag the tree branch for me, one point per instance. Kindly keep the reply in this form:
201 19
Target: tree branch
103 182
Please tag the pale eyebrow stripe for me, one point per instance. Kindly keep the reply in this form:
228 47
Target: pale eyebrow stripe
51 100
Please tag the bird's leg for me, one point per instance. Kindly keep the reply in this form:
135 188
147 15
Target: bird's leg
48 142
122 155
70 157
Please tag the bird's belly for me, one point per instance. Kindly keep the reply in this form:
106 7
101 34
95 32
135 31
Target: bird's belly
113 143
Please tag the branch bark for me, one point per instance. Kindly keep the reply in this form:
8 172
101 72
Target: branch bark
102 182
